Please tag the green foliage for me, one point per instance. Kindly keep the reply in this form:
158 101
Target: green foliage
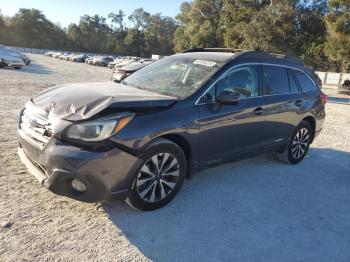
318 31
285 26
149 34
30 28
199 24
338 27
159 34
2 29
92 34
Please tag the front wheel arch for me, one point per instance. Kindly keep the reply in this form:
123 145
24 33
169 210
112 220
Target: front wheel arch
157 146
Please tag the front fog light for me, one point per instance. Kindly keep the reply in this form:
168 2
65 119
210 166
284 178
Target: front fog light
78 185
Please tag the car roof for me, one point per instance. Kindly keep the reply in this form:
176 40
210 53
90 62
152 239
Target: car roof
225 55
218 57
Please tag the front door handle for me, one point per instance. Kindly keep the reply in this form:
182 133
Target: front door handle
258 111
299 103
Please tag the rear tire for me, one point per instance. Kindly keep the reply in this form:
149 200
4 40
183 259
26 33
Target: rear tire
298 145
159 177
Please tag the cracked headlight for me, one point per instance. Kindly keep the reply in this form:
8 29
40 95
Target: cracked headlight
97 130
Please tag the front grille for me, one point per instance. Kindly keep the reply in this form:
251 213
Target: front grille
36 128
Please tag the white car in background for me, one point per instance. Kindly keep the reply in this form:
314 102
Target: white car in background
7 59
12 52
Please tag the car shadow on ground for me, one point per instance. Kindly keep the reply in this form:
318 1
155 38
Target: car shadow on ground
34 68
254 210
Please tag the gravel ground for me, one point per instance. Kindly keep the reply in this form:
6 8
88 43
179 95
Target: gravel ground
253 210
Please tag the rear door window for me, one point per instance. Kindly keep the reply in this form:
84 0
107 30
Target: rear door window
305 82
275 80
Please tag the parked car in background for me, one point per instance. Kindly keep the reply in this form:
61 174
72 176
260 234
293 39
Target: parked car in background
15 53
25 59
111 65
90 60
139 140
102 60
8 59
80 58
49 53
124 62
344 88
64 56
69 57
57 54
121 73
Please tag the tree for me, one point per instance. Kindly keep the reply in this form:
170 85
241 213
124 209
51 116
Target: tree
30 28
92 34
311 33
338 28
134 41
259 25
182 38
117 19
2 29
159 35
139 18
199 21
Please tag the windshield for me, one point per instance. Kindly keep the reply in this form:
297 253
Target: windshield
175 76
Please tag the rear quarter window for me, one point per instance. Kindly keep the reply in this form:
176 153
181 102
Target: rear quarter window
305 82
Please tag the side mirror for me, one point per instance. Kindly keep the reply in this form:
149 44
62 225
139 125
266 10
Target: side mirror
228 98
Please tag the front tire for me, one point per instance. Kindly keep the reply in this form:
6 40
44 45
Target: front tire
298 145
160 176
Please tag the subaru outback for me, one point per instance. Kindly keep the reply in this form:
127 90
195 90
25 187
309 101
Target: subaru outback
138 140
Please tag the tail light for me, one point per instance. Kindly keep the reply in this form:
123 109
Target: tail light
323 98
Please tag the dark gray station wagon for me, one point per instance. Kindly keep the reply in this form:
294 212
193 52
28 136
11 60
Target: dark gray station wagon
140 139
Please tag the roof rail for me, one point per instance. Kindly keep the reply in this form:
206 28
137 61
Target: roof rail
225 50
249 53
264 54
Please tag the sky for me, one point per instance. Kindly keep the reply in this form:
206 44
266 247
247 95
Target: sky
65 12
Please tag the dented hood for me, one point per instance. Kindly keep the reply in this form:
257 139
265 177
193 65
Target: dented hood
83 100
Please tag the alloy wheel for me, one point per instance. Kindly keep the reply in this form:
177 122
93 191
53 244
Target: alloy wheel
300 143
158 177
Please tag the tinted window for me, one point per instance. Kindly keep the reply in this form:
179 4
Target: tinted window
305 82
293 85
242 80
275 80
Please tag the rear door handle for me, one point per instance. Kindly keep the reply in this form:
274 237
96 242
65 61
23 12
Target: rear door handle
258 111
299 103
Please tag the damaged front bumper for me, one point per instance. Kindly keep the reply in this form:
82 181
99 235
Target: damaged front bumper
106 175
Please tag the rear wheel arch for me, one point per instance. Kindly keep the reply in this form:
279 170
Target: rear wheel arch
311 120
